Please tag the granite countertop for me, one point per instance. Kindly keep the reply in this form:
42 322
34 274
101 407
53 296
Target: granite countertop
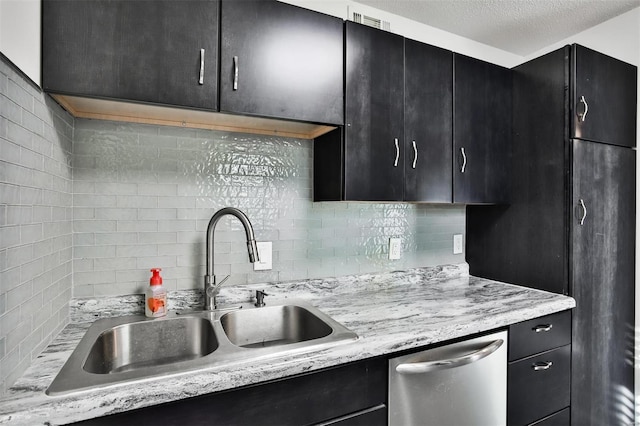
390 312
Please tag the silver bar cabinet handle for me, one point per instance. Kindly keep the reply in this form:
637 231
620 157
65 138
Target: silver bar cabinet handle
583 115
443 364
539 366
415 154
236 67
542 328
395 163
464 160
584 212
201 79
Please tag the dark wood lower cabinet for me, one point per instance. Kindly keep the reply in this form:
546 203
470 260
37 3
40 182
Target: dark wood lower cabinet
539 371
353 394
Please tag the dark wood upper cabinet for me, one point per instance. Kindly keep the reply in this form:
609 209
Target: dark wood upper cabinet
281 61
604 98
374 102
482 131
396 144
404 109
428 123
162 52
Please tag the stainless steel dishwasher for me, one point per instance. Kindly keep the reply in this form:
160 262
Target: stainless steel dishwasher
464 383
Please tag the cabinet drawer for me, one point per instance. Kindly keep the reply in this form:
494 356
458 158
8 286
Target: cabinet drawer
539 385
539 335
561 418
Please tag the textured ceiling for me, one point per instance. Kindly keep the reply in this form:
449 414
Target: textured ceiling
517 26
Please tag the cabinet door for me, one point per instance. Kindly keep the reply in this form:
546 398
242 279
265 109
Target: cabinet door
146 51
428 128
482 131
279 60
602 283
374 103
604 98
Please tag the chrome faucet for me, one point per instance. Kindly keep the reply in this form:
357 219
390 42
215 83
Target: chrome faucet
211 288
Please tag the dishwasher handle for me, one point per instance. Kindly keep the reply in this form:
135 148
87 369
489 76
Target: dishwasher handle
443 364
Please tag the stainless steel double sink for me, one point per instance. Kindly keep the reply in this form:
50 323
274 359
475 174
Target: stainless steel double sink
125 349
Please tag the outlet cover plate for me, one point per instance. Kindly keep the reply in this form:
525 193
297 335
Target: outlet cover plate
457 244
265 255
395 248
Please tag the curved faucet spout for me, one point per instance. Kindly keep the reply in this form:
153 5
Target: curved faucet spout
211 288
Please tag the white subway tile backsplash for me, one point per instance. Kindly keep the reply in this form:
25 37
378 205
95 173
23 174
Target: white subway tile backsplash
94 226
117 214
17 295
31 233
136 201
157 213
18 94
19 135
130 251
9 151
176 225
94 200
116 188
96 277
116 238
157 237
137 225
96 252
9 236
30 270
32 123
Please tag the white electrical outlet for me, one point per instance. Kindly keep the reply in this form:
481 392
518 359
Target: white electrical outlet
457 244
265 255
395 248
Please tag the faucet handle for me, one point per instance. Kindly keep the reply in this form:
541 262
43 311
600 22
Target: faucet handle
260 298
223 280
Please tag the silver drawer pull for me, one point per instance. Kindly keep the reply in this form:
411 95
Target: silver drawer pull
236 67
542 327
443 364
415 154
464 160
201 79
539 366
584 212
395 163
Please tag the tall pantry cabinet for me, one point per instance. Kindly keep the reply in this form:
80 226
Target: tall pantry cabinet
570 228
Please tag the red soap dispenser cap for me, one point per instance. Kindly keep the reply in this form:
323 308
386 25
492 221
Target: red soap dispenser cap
156 279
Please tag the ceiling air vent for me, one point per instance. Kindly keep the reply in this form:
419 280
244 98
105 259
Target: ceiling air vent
361 18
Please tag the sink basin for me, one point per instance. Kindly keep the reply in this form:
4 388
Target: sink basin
273 326
125 349
144 344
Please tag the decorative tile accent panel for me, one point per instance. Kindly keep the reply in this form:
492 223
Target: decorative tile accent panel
143 196
35 222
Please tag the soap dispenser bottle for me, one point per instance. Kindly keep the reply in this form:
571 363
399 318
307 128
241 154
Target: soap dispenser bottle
155 304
